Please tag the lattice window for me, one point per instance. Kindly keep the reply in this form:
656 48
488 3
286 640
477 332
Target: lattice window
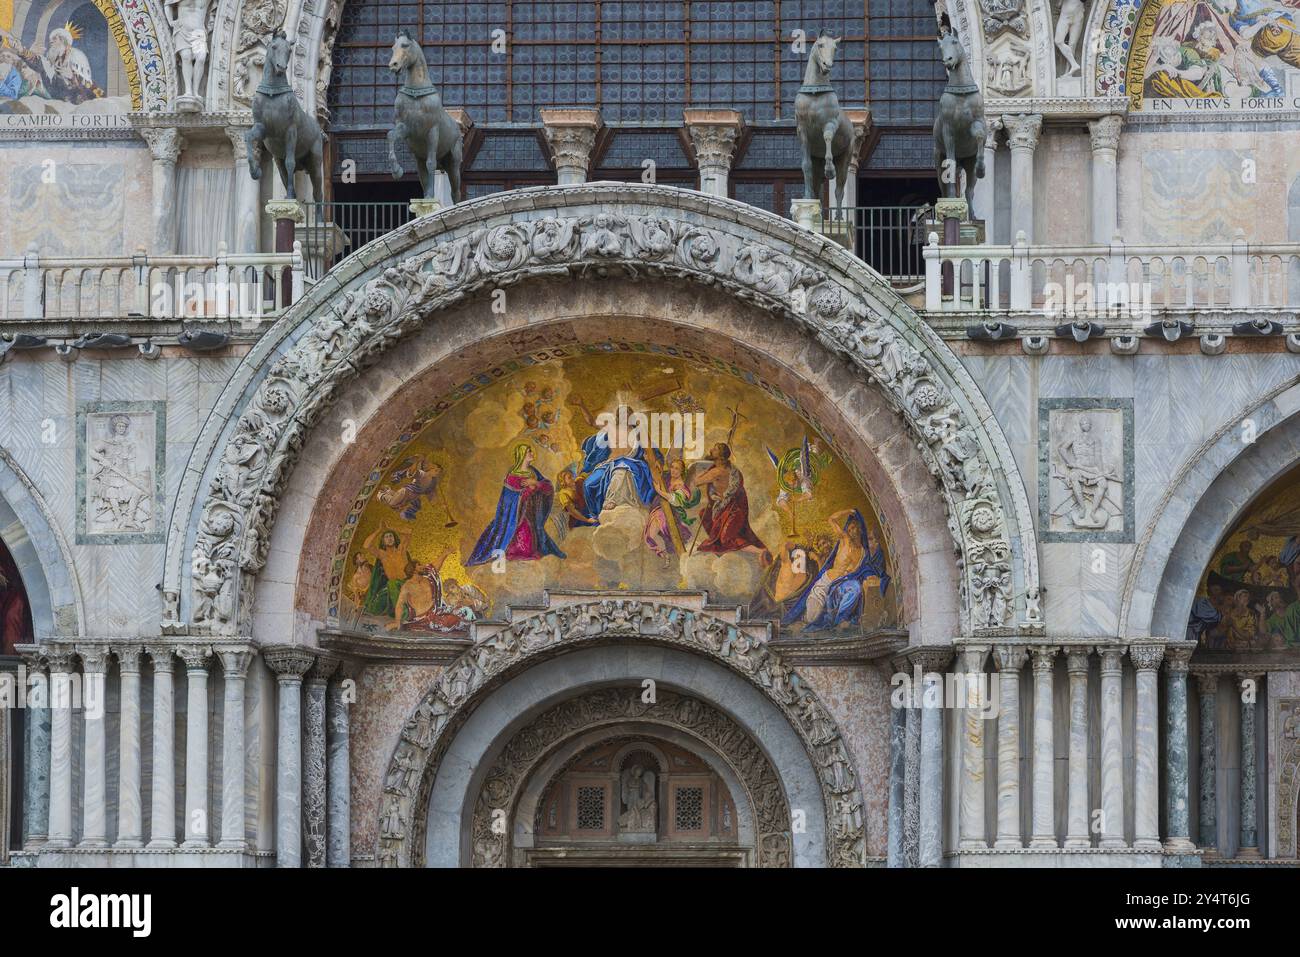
591 808
688 809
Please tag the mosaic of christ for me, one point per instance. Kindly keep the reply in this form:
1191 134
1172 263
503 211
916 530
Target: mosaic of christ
629 471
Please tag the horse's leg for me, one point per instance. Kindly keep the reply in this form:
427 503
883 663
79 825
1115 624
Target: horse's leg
454 159
841 179
428 177
253 146
828 160
290 163
317 161
951 165
969 167
397 133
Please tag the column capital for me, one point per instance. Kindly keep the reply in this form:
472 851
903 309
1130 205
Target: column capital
60 659
289 662
1244 676
1207 682
161 655
931 660
235 660
94 658
1105 133
714 135
1178 658
571 137
322 669
1044 657
974 656
993 125
1076 659
1146 657
1112 659
1011 657
236 136
861 120
165 143
1023 130
128 658
195 656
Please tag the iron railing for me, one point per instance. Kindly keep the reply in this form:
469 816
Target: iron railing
334 230
887 238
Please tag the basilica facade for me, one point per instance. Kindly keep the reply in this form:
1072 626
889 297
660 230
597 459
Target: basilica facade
624 486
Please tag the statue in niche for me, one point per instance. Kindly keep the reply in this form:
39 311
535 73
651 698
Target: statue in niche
1083 464
641 807
1069 30
188 20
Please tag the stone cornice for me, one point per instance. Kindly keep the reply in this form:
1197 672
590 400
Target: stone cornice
866 649
378 648
1058 107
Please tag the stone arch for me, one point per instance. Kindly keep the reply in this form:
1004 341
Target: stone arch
1200 504
228 501
529 757
41 553
144 40
508 676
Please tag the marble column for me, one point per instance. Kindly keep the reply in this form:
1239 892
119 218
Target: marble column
972 749
714 135
1207 688
1146 778
1177 657
897 773
930 799
338 797
1105 197
1248 688
247 198
290 663
94 754
1043 823
234 669
165 146
1011 660
162 815
986 186
130 817
313 757
1022 137
61 699
1112 747
912 785
571 137
198 829
36 767
1076 829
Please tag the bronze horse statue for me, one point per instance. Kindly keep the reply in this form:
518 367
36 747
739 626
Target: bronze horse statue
825 130
430 132
280 123
959 122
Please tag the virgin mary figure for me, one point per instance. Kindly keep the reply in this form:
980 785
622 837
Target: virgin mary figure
518 530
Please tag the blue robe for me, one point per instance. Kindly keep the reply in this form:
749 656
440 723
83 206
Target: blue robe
844 597
496 538
600 471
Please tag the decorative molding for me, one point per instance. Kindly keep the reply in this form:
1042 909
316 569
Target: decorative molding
1286 722
461 687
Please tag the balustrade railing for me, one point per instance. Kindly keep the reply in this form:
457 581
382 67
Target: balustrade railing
1119 279
225 286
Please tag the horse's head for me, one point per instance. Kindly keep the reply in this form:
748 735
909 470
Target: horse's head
278 51
950 48
823 53
406 52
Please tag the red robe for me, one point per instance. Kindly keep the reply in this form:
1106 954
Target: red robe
726 521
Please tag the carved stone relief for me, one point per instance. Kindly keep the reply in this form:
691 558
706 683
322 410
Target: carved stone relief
120 472
1287 725
1002 15
1086 469
1007 69
409 779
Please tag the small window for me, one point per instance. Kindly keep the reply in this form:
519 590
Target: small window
591 808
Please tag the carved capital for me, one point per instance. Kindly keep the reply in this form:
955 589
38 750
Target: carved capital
1247 676
128 658
1207 683
931 660
993 125
235 661
165 143
1011 657
1178 659
1146 657
1023 130
61 660
1112 660
571 136
714 145
1044 658
289 662
236 136
1105 133
973 658
94 658
162 656
1076 659
322 669
195 656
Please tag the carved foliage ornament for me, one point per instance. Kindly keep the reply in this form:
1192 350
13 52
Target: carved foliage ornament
408 782
359 325
501 790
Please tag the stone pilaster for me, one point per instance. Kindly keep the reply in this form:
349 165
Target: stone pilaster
1177 658
130 809
1011 661
1248 685
313 791
1105 196
290 663
1112 747
162 816
165 146
1146 778
247 198
1076 830
571 137
714 135
1207 689
36 767
897 774
933 663
234 669
60 829
94 774
338 797
1022 137
972 749
1043 824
